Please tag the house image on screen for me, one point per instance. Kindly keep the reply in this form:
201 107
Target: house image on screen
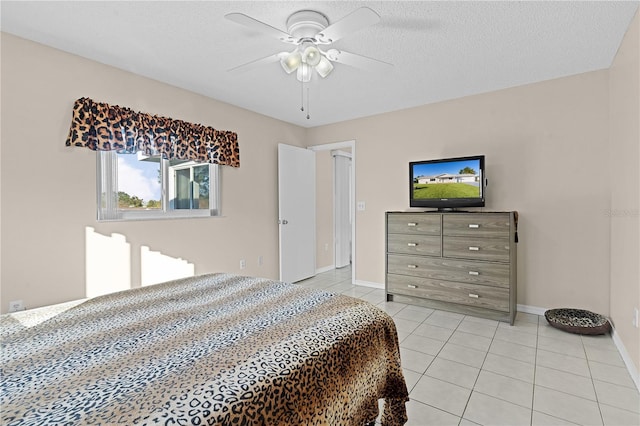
449 178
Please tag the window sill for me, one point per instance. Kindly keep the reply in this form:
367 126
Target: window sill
133 216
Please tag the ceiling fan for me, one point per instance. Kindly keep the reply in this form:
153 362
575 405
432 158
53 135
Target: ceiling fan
309 31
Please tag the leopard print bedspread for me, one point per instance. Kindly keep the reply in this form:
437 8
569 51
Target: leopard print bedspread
216 349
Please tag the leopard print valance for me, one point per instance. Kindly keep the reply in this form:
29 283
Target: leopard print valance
103 127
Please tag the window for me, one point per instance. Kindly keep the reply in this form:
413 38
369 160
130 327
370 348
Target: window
137 186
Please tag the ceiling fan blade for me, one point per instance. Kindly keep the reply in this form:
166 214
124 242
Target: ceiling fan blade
358 61
258 63
356 20
254 24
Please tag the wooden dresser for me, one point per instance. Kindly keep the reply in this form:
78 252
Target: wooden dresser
460 262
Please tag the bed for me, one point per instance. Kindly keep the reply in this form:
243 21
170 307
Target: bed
216 349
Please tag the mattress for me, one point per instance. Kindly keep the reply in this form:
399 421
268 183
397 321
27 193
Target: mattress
215 349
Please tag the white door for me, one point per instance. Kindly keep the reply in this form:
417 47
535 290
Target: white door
342 208
297 212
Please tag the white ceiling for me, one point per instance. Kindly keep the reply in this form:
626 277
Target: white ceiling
440 50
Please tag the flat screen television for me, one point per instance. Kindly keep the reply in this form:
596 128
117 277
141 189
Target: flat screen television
447 183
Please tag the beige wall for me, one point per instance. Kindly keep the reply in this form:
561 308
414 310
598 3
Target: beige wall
542 142
48 190
624 142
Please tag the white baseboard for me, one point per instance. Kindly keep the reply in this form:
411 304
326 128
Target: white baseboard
325 269
536 310
369 284
635 376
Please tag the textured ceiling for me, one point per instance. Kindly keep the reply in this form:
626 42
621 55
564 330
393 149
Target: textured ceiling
440 50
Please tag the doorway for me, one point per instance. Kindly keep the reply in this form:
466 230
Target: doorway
343 201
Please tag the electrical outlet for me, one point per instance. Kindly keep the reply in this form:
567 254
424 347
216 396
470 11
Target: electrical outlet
260 260
636 320
16 305
361 206
326 247
243 263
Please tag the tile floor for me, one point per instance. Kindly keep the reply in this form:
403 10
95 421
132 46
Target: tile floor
464 370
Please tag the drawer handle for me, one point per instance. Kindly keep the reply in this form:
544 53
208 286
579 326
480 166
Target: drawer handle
412 244
475 296
412 224
474 248
412 286
412 266
474 225
474 273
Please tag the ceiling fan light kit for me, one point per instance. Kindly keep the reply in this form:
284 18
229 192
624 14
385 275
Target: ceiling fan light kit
290 61
324 67
309 29
311 57
304 73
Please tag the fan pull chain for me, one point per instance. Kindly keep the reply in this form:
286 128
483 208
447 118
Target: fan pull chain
302 99
302 95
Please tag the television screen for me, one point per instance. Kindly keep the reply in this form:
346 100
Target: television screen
447 183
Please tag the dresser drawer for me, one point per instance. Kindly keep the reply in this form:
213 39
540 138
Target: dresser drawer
495 250
466 271
414 244
476 225
495 298
419 223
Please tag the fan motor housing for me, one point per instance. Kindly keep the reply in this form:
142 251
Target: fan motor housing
306 24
